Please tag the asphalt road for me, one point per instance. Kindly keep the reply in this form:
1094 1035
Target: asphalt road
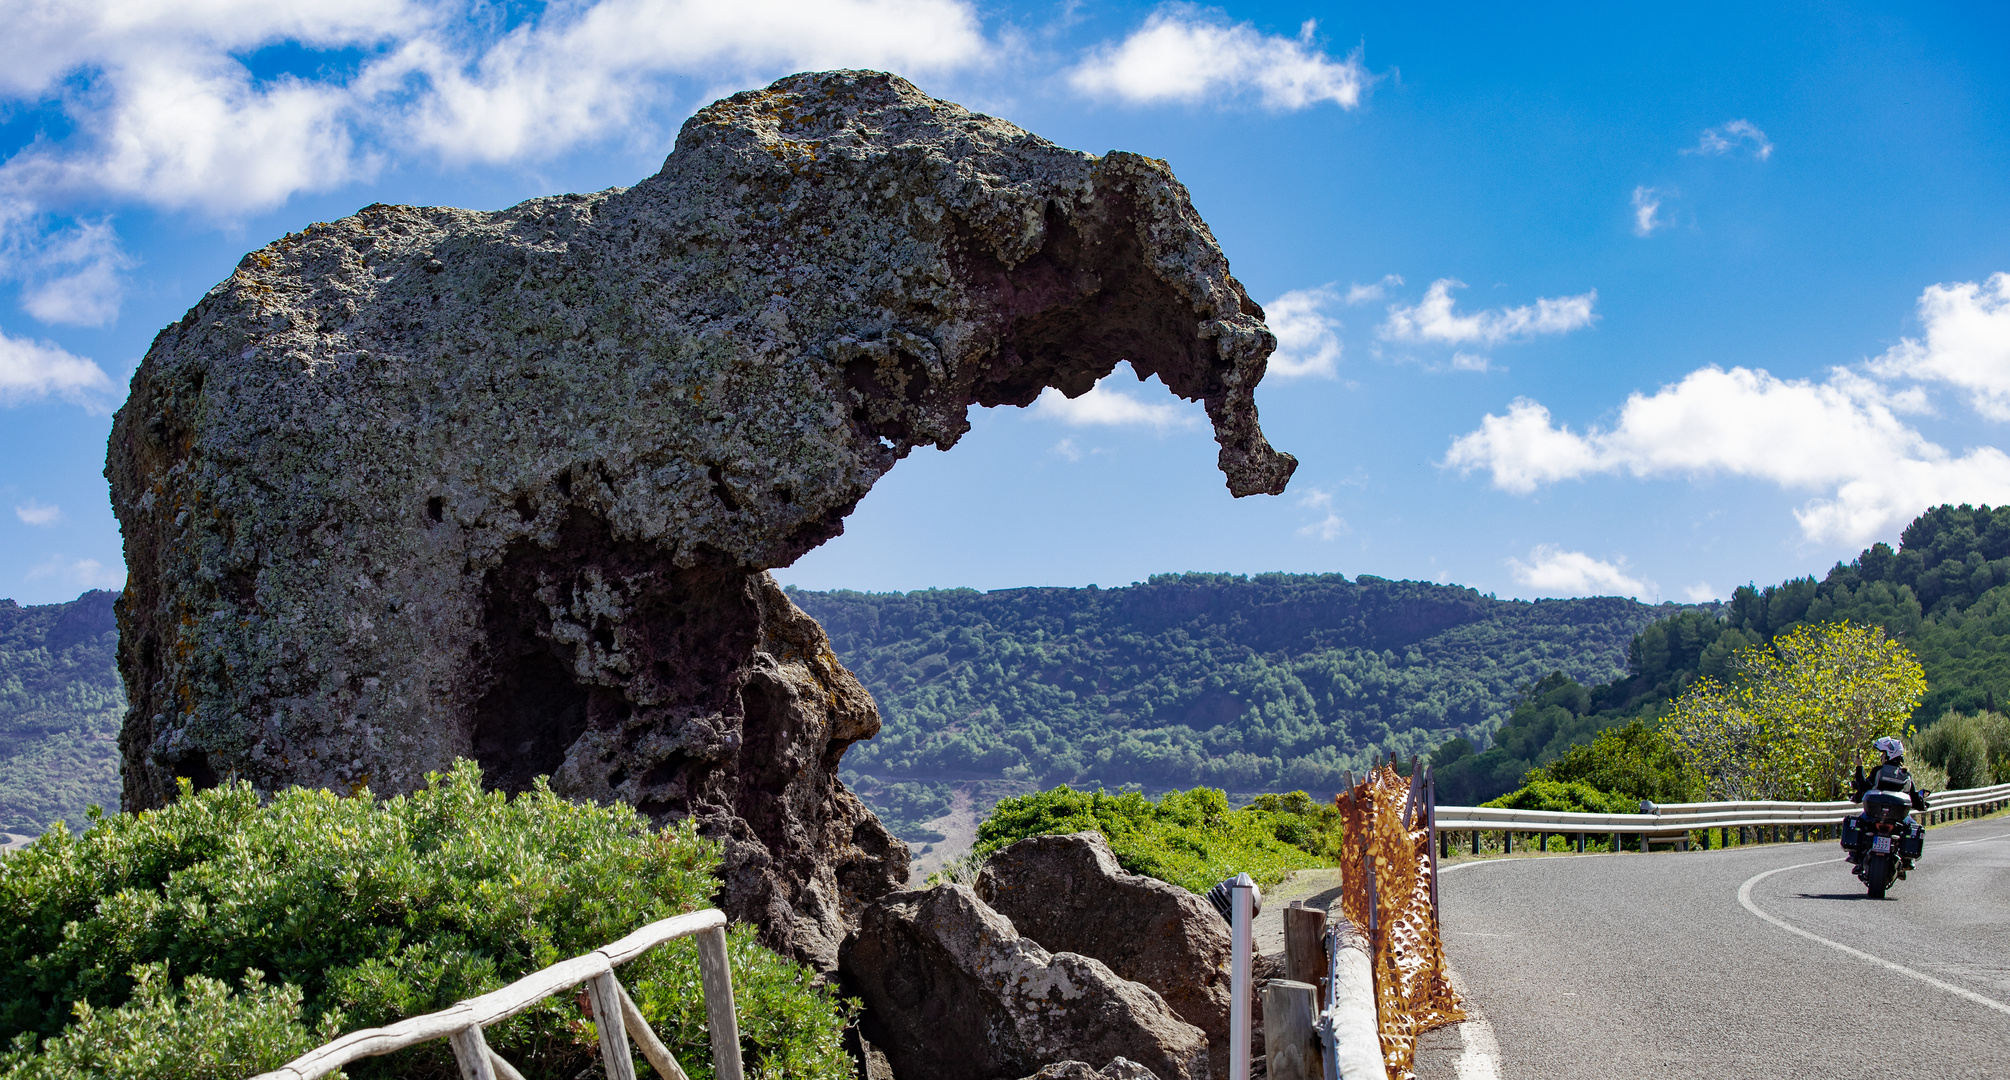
1616 966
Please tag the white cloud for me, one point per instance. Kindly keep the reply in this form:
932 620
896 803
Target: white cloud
1839 439
1552 571
79 573
1106 406
70 274
1646 205
563 80
1465 361
1365 294
1967 343
1700 593
1717 141
1307 338
1330 527
166 112
35 513
1432 320
1184 54
36 369
1067 449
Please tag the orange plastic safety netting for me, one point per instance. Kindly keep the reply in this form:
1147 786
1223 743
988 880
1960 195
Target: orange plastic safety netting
1388 893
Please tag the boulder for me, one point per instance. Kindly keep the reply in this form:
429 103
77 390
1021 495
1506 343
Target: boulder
1118 1069
1068 893
427 483
952 992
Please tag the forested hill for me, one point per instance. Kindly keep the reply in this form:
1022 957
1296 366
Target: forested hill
60 708
1944 594
1273 682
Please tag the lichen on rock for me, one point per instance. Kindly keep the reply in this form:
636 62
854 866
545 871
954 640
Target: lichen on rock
426 483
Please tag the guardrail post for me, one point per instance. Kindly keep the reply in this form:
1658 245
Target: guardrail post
719 1014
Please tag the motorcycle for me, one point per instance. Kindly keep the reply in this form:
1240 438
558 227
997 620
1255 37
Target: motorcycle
1883 841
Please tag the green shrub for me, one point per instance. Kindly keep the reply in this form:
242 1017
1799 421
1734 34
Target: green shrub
202 1032
1189 838
1573 796
367 911
1973 749
1635 760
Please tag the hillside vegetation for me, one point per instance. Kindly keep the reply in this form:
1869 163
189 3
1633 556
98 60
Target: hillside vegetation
1944 594
61 704
1189 838
1266 683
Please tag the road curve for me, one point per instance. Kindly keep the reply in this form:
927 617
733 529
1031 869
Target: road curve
1764 961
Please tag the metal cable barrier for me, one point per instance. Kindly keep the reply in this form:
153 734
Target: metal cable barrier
615 1015
1673 822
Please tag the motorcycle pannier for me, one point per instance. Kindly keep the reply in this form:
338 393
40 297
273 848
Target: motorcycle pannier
1912 846
1852 835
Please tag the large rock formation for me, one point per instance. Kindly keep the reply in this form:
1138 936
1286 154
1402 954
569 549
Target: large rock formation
1068 893
953 992
424 483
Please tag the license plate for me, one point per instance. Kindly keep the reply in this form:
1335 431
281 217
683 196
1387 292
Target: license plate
1880 844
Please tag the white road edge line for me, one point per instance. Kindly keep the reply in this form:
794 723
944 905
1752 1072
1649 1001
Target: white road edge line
1479 1053
1745 898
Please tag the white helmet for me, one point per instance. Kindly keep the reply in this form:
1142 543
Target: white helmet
1891 747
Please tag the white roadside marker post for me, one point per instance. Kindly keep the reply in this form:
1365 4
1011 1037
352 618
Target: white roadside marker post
1243 905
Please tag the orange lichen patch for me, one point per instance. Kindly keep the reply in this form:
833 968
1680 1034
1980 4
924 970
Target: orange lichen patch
1388 833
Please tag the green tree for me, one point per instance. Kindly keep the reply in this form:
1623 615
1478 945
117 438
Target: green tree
1799 715
1636 761
1973 749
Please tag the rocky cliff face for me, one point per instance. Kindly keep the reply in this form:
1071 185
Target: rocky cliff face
426 483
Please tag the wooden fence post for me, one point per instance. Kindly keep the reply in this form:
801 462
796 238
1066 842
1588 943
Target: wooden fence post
471 1053
645 1040
719 1015
1290 1042
1304 948
605 994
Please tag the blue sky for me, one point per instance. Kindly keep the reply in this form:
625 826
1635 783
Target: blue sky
1585 301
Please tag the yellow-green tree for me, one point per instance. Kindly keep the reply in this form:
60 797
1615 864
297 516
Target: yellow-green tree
1797 716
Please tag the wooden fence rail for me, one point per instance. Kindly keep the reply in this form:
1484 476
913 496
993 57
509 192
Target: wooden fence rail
615 1014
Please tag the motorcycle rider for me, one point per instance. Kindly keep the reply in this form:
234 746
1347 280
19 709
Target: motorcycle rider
1892 775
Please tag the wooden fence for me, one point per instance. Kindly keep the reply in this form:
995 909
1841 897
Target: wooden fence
615 1014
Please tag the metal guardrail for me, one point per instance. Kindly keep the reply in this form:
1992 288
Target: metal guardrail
1679 819
615 1014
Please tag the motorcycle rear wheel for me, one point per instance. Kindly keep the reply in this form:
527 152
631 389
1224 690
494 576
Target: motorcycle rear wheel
1876 874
